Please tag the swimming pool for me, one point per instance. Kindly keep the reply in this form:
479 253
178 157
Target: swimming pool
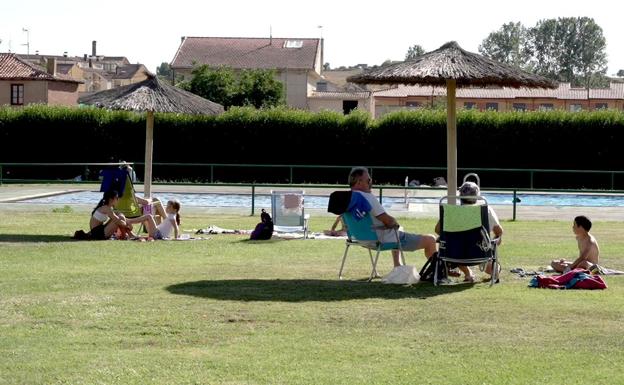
320 202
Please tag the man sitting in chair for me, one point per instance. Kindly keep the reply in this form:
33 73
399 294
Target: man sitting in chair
471 189
360 180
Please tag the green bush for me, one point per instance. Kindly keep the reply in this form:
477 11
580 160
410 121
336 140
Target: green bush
545 140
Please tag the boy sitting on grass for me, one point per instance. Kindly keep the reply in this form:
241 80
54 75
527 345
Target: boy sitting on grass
589 251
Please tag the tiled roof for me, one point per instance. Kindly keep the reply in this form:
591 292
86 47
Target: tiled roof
102 73
246 53
64 68
128 71
14 68
339 95
615 91
73 59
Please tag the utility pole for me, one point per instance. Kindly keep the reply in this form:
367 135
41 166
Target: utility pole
27 40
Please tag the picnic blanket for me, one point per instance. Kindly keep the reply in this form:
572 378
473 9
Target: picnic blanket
310 236
219 230
575 279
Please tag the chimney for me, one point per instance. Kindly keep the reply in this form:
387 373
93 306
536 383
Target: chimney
51 66
182 39
85 57
322 54
37 52
90 63
65 54
93 48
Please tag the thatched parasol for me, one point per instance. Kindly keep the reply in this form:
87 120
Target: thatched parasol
151 95
452 67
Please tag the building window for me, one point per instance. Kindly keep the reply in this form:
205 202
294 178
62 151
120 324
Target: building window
491 106
576 107
519 107
470 105
601 106
293 44
17 94
546 107
348 106
412 104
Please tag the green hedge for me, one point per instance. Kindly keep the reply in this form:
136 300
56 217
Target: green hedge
546 140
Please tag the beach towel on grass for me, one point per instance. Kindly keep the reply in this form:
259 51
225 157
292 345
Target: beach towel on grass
606 271
575 279
218 230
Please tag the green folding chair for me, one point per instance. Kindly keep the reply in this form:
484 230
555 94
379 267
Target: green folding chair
465 237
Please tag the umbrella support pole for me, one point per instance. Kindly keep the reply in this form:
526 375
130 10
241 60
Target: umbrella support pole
451 141
149 149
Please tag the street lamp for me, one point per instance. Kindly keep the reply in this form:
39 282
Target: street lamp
27 40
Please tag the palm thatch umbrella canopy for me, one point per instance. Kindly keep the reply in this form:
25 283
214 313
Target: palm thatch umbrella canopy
151 95
452 67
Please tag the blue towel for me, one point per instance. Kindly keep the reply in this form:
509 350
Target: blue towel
577 278
114 179
359 206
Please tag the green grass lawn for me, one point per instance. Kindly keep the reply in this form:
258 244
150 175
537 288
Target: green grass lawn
230 311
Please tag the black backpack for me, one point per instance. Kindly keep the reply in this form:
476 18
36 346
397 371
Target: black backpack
428 270
82 236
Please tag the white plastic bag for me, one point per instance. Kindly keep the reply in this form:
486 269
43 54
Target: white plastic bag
402 275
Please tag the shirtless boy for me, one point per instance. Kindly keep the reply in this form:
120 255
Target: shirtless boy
589 251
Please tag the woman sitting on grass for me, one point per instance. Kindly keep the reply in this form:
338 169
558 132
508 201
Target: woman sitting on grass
104 222
169 224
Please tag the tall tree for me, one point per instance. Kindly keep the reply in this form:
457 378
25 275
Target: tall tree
163 70
255 87
570 49
216 84
507 45
592 61
620 73
258 88
414 51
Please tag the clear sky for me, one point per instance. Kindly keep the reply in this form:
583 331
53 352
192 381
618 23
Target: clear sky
354 31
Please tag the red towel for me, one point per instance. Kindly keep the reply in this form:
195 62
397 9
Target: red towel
584 280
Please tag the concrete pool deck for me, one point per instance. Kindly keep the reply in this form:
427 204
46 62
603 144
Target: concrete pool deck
12 194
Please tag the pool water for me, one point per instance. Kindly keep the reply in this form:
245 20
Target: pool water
320 202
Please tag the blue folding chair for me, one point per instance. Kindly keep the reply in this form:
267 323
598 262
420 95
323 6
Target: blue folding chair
361 232
465 237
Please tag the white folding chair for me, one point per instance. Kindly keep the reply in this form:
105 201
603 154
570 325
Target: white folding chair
288 212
